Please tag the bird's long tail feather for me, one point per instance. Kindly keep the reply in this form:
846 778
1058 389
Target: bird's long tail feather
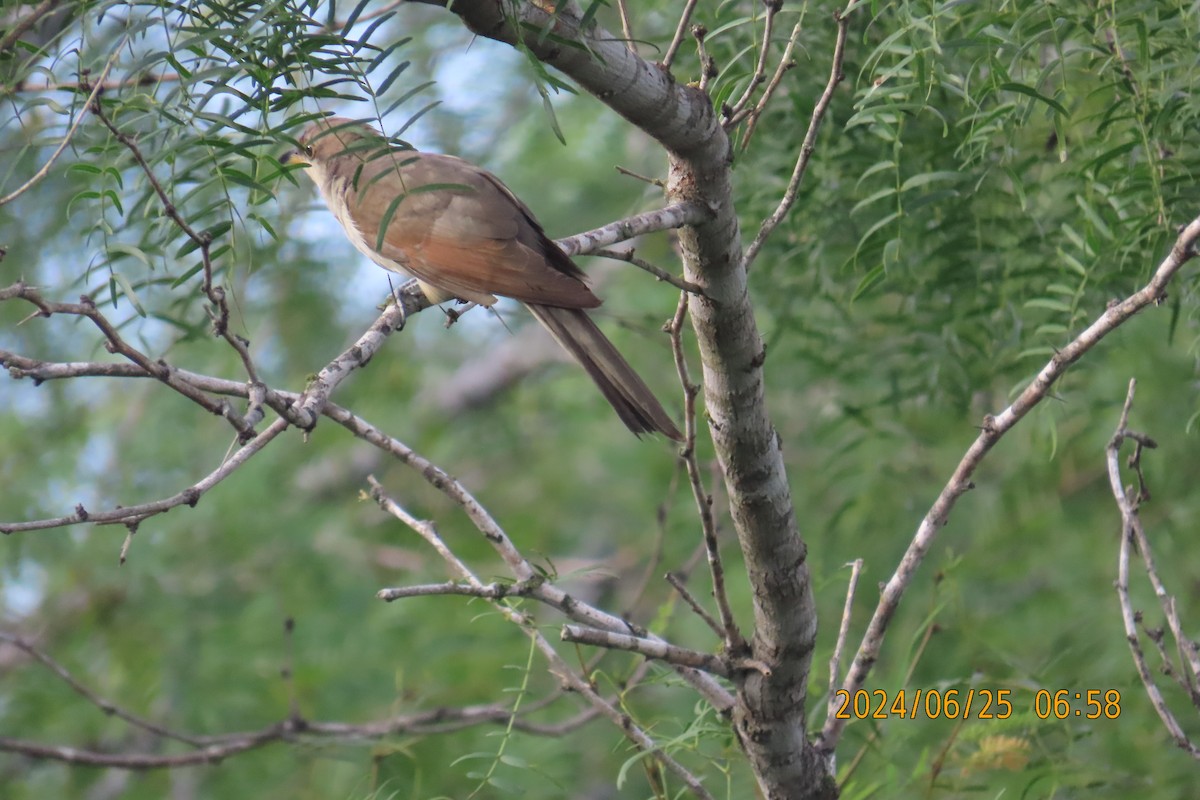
635 404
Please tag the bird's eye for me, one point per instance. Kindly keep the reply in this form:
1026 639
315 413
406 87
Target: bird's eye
308 151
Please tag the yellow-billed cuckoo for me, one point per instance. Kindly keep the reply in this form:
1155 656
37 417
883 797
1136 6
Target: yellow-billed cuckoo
460 232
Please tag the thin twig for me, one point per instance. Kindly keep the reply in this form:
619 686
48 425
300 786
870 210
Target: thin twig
626 29
109 708
652 181
708 67
41 173
701 611
680 31
675 215
18 30
486 591
658 272
734 643
835 661
558 666
760 65
810 139
203 241
409 299
1131 531
786 62
522 571
136 513
650 648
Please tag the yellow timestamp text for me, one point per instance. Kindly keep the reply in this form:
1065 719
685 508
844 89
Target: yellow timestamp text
973 703
1068 704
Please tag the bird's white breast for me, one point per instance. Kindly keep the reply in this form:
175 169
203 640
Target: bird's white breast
333 190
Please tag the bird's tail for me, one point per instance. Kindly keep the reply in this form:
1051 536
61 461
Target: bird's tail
635 404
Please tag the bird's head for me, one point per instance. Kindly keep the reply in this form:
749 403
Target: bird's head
331 137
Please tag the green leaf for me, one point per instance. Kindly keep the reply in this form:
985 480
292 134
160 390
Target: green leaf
1029 91
927 178
874 276
874 197
122 249
188 273
1048 303
128 291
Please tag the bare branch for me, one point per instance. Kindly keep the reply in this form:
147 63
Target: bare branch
810 139
302 409
760 65
661 274
212 749
708 67
650 648
1132 532
115 343
212 754
19 29
66 139
652 181
835 661
752 115
524 573
735 643
623 12
490 591
408 300
136 513
558 666
680 32
61 672
677 582
673 216
993 428
203 241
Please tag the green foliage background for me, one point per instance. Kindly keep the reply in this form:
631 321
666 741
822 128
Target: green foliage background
989 177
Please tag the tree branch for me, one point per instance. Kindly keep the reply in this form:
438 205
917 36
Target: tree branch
213 749
680 32
136 513
526 576
560 668
760 65
810 139
115 343
770 715
1132 532
66 139
731 637
661 274
650 648
219 313
675 215
835 661
993 428
19 29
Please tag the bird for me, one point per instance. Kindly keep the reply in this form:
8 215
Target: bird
465 236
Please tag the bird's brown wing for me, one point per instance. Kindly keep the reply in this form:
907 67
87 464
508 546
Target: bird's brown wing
459 229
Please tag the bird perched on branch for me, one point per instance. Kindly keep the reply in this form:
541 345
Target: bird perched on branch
463 235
